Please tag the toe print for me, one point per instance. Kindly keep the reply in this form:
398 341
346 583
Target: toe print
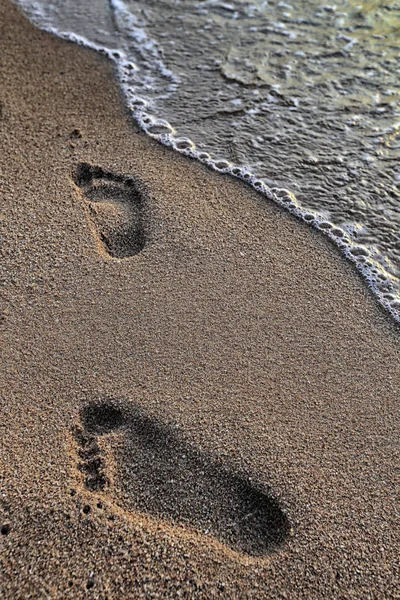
91 462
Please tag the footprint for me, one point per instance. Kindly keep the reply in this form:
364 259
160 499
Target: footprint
117 209
159 473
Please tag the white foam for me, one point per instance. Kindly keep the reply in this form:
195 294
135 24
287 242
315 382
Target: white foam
147 47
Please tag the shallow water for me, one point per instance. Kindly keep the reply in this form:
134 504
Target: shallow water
303 96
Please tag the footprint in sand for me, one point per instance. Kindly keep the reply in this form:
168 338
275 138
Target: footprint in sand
117 209
159 473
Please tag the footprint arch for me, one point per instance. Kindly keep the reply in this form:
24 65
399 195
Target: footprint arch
162 475
117 206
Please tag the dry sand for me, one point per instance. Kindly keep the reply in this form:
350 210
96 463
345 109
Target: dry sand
210 412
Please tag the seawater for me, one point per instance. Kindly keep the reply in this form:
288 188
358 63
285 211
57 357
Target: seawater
301 100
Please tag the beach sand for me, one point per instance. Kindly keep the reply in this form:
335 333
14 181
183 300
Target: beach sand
199 394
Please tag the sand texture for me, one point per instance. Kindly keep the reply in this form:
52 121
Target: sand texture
199 395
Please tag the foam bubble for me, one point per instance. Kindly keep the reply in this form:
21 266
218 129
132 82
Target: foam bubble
159 127
237 171
359 251
247 176
183 143
135 102
222 165
336 232
259 185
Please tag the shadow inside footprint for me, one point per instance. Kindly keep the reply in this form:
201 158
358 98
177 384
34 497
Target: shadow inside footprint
161 474
102 418
117 208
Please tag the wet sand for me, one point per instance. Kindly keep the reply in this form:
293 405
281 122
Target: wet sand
199 395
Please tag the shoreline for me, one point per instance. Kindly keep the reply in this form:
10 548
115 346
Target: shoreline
374 268
236 329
